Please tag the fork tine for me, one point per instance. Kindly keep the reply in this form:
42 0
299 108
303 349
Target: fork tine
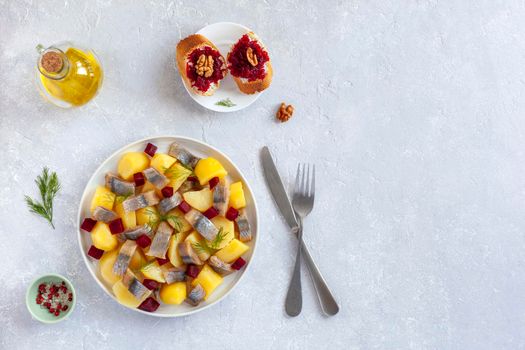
312 185
297 186
303 182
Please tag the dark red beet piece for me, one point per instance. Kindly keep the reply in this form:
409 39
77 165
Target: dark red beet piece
95 253
150 149
184 207
150 284
149 305
192 271
238 264
192 178
139 179
213 182
211 213
162 261
143 241
167 191
116 226
88 224
232 214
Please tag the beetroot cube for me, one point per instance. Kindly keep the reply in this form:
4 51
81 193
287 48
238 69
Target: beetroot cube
95 253
88 224
167 191
150 149
238 264
143 241
116 226
192 178
232 214
184 207
211 213
193 271
213 182
149 305
139 179
150 284
162 261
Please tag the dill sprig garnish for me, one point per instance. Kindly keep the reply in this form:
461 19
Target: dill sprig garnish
155 218
218 239
176 173
48 185
201 247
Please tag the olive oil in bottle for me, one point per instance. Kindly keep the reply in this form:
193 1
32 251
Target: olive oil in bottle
68 76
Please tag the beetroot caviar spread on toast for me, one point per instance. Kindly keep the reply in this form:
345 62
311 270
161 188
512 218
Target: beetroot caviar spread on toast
203 82
238 59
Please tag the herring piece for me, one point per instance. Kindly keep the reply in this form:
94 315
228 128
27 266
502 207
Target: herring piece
134 286
221 196
202 224
140 201
188 254
156 178
196 295
104 215
124 257
220 266
183 155
118 186
173 274
161 241
169 203
136 232
245 233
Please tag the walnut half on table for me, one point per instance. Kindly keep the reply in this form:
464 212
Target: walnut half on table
285 112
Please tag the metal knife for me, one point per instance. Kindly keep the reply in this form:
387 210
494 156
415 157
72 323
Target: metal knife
326 298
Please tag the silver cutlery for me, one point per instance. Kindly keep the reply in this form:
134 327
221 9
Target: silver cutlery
325 296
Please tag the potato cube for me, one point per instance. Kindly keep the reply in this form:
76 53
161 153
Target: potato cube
201 200
227 233
131 163
173 294
138 260
148 216
129 218
162 162
124 296
102 238
208 168
208 279
237 199
106 267
177 174
199 245
177 220
173 251
153 272
102 198
232 251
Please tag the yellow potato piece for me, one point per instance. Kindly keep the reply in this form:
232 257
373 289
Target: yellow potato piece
173 294
131 163
198 244
232 251
173 251
153 272
102 198
124 296
208 168
102 238
208 279
106 267
148 186
177 221
148 216
201 200
237 199
129 218
228 232
177 174
162 162
138 260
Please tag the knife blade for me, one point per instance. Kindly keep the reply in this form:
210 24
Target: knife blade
277 188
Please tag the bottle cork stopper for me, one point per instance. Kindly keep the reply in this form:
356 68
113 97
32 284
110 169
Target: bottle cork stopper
52 62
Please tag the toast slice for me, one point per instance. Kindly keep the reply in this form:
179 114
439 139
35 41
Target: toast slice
250 65
200 64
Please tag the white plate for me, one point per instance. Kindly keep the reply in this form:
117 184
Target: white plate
200 149
224 35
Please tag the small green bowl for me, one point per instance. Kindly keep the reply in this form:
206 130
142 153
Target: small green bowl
42 314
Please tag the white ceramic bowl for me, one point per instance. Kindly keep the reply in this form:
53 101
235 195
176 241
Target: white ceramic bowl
199 149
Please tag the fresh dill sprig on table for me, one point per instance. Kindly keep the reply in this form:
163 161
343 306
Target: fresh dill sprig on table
225 103
49 186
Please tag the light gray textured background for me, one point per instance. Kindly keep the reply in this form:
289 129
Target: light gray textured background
413 112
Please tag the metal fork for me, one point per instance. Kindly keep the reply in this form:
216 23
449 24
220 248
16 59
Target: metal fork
303 203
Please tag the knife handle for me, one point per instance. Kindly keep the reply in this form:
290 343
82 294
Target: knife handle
326 298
